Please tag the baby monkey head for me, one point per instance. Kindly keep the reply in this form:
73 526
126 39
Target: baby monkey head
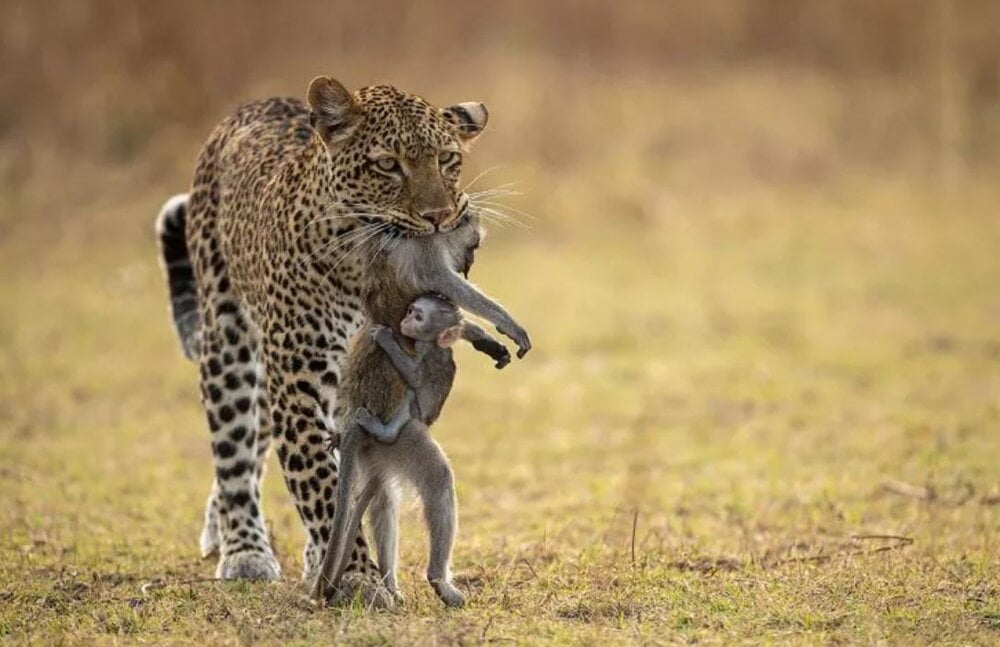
432 318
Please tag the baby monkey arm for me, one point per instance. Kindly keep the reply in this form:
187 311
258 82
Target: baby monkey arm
485 343
408 367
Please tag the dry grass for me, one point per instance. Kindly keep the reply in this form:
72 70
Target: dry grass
744 396
763 403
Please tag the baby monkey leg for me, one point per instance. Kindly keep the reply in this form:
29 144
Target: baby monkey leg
387 432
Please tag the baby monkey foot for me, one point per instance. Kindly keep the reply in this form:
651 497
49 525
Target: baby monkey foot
450 595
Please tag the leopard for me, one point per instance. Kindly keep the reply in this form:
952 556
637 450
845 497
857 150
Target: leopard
266 260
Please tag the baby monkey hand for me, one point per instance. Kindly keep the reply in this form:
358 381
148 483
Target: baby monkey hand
381 333
494 349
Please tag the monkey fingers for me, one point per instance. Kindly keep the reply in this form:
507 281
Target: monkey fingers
518 335
494 349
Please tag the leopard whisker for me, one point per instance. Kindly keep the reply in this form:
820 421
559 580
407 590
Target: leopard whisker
493 221
329 217
491 195
491 216
350 249
383 243
350 246
327 249
502 206
347 236
354 251
500 216
506 186
358 246
481 175
353 215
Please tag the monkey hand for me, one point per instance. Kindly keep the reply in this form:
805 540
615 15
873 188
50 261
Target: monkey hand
494 349
517 334
381 333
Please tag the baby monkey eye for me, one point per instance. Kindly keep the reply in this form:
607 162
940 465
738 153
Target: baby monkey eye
387 164
447 158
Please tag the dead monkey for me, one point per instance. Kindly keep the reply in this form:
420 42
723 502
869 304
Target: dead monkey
409 398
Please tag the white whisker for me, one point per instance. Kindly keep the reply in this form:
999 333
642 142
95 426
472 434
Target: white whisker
480 176
358 246
328 248
499 216
507 186
500 205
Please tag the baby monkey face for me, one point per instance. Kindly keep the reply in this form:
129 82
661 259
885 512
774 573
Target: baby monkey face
432 318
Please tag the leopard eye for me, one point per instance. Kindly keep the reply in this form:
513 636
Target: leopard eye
447 158
387 165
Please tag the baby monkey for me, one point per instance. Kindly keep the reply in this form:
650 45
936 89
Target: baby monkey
432 324
421 355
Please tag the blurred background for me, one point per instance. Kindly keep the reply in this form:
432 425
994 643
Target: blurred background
641 103
756 250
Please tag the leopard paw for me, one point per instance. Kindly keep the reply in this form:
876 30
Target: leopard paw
249 565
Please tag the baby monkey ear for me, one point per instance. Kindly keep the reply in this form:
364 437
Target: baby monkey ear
468 119
449 336
335 114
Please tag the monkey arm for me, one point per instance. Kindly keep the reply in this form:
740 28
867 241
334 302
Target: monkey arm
407 366
485 343
388 432
468 297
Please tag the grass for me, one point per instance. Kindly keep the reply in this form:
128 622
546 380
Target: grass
764 398
764 419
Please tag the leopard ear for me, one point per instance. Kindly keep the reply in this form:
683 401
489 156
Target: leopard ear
469 119
335 114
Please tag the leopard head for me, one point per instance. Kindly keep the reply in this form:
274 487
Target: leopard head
395 158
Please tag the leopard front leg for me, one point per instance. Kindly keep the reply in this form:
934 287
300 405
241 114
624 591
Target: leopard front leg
302 386
211 534
230 375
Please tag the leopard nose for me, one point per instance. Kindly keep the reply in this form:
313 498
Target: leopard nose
435 216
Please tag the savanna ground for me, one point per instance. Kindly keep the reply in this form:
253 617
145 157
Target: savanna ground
763 403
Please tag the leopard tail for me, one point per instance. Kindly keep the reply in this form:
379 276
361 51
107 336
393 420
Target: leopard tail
176 263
